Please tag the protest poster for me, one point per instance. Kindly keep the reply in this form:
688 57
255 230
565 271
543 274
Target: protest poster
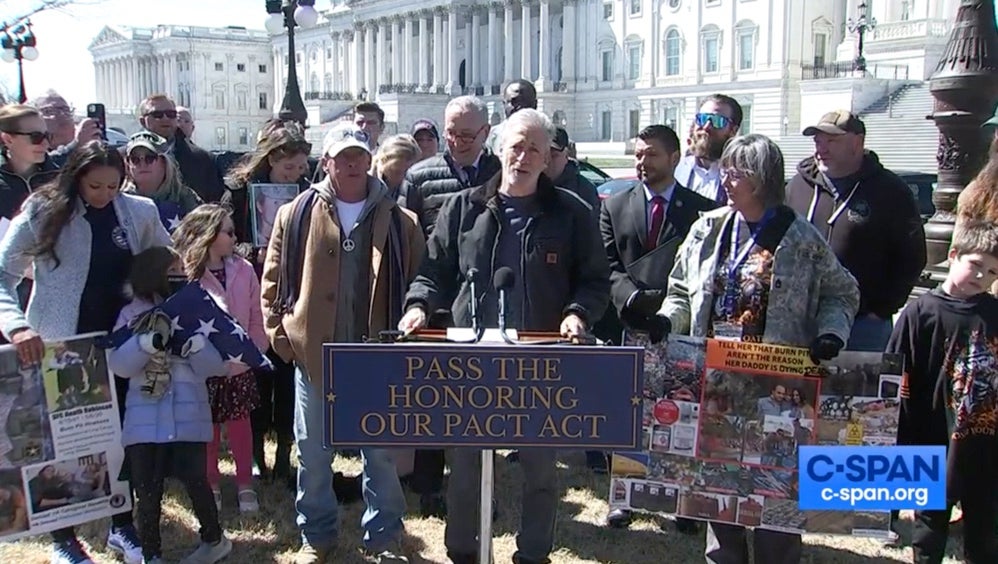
60 440
265 199
722 423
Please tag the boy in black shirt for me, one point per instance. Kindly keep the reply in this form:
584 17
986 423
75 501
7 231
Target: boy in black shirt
949 393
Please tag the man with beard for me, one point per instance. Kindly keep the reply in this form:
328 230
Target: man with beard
717 121
642 228
518 95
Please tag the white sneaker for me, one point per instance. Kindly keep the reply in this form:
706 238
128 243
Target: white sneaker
69 552
248 502
209 553
125 542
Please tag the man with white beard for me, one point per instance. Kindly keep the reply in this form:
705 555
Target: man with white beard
717 121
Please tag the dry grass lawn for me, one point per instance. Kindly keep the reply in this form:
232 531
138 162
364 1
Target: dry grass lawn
271 535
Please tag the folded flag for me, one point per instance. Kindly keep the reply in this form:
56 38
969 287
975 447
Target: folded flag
170 213
192 311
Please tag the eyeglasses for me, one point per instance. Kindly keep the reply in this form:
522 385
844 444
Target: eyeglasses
463 137
137 160
736 174
717 121
36 137
160 114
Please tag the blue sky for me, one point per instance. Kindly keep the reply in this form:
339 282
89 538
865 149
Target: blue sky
65 64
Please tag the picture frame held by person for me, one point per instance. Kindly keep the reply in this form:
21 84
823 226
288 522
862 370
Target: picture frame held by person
265 199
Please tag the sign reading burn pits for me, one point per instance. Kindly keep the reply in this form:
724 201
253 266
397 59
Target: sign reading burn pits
484 396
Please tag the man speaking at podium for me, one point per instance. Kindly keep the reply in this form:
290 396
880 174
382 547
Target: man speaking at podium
560 281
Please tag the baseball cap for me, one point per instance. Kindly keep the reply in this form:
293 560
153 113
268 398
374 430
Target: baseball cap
838 122
424 125
343 137
560 141
147 140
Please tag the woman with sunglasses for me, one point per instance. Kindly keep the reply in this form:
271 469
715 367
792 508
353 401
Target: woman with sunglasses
281 157
756 271
24 161
154 174
78 236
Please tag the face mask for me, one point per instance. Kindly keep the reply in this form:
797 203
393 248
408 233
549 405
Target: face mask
176 282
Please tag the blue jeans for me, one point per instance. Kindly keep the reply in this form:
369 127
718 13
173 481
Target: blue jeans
869 334
316 503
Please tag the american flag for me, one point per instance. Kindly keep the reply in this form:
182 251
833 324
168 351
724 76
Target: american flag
170 213
192 311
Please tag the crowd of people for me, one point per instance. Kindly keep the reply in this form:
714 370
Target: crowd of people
711 240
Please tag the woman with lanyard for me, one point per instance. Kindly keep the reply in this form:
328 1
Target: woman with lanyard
77 235
281 157
757 271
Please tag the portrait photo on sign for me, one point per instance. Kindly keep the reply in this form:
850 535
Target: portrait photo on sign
265 200
67 482
75 375
13 504
25 429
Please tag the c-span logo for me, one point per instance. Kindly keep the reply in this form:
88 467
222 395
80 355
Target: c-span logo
869 478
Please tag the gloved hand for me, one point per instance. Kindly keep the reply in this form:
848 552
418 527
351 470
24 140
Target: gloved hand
826 347
646 302
659 328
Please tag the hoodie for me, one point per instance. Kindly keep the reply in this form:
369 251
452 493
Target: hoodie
873 226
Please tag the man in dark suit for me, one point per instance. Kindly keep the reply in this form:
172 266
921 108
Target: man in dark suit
642 228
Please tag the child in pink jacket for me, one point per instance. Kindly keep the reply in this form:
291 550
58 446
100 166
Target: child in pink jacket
206 240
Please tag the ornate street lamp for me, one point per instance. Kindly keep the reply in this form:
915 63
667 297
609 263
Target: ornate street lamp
288 14
860 26
18 44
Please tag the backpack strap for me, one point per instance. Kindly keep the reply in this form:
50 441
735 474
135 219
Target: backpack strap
293 252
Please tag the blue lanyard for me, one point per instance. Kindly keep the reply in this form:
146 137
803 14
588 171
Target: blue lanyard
738 258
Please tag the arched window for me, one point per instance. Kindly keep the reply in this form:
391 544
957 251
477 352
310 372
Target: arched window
673 52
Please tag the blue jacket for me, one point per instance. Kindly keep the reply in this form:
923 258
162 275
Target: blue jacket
182 414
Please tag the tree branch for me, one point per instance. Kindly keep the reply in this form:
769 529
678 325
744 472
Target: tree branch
45 5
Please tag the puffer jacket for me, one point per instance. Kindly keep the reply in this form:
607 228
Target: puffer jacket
811 293
14 188
429 183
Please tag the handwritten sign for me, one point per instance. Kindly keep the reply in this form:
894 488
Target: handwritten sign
488 396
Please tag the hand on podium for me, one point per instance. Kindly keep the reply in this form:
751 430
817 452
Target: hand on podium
573 326
413 320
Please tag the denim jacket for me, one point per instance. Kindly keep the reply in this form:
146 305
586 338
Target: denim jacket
811 294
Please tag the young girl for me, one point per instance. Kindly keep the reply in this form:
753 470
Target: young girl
166 431
205 240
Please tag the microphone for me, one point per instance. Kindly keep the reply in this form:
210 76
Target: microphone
476 324
503 280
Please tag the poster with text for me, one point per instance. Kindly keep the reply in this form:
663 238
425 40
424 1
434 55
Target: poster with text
60 440
723 421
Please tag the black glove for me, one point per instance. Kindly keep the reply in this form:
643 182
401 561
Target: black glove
659 328
826 347
646 302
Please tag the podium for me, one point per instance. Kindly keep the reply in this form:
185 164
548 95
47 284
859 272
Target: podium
432 391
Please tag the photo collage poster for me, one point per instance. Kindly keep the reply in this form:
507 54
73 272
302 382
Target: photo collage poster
723 421
265 200
60 440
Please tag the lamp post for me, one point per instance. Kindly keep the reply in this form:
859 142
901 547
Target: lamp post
860 26
18 44
288 14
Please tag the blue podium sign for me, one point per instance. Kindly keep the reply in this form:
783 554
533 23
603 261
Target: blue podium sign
433 395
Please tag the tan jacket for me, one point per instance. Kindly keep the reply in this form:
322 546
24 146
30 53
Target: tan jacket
298 336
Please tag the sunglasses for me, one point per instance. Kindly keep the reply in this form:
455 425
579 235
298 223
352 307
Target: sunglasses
717 121
160 114
142 159
36 137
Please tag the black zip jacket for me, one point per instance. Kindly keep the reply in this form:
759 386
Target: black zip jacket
14 188
430 182
877 234
563 258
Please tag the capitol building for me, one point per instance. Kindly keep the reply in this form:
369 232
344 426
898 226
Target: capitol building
603 68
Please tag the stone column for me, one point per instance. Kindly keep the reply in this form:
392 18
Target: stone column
508 63
476 48
423 62
438 48
544 50
491 50
408 52
398 73
526 60
454 68
568 44
335 85
370 50
133 80
595 16
119 87
384 61
358 59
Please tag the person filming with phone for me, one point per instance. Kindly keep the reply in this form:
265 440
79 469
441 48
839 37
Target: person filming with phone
555 277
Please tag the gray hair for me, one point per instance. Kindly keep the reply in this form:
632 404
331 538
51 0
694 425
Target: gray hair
47 97
759 156
468 104
528 118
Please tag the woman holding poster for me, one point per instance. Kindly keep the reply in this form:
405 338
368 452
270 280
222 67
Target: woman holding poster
77 235
755 270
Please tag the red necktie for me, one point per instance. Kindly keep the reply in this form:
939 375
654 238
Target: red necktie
657 218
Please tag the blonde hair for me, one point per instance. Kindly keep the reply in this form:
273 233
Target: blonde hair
401 146
195 235
276 140
12 114
172 179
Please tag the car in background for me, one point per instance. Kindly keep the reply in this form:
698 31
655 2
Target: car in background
921 185
593 174
613 186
